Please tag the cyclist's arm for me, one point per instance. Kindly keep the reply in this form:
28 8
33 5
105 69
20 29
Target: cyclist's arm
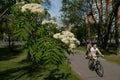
99 52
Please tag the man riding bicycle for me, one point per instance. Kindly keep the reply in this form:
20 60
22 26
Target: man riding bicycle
93 52
94 63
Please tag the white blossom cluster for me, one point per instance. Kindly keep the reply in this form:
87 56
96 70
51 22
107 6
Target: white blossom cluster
68 38
33 8
49 22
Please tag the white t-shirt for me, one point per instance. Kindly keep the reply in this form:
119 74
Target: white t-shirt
94 51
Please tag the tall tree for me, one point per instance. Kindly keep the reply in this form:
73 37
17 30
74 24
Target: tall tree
99 15
73 15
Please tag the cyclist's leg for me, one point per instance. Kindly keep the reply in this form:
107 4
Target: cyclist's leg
94 60
87 54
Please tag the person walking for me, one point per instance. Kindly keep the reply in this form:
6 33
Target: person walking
89 45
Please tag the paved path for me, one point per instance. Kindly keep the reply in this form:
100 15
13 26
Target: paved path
80 65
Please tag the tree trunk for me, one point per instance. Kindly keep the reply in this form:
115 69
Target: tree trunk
106 37
89 33
118 50
9 41
107 31
116 33
99 41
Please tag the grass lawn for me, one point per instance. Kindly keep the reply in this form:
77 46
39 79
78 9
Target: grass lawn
13 66
82 49
113 58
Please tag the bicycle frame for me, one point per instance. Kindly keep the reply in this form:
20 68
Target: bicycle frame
96 65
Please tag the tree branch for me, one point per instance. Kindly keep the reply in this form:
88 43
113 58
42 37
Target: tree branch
4 12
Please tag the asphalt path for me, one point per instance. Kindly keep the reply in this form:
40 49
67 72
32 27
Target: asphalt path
80 65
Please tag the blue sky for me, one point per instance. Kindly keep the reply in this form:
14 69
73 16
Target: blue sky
55 8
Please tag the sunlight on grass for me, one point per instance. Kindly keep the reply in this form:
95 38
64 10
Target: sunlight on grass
7 64
113 58
82 49
18 68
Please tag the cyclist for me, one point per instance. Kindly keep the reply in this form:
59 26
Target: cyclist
94 50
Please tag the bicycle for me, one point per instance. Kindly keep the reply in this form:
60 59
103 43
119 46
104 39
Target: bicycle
96 66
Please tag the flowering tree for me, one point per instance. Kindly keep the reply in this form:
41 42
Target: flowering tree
68 39
39 41
32 24
29 21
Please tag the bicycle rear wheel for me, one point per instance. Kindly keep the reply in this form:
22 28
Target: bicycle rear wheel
99 70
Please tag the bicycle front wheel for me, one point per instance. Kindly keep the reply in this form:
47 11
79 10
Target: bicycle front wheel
90 64
99 70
